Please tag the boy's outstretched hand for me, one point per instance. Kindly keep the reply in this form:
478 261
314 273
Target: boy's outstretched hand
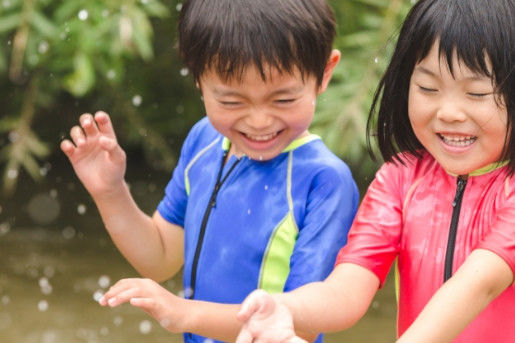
167 308
95 155
266 320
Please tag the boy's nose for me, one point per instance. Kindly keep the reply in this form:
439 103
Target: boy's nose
259 118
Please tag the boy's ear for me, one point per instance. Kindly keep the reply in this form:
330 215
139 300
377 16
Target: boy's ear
332 62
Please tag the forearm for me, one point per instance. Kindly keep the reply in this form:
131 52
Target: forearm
134 233
334 304
217 321
477 282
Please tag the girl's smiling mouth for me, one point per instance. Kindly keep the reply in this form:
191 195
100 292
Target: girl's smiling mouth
458 141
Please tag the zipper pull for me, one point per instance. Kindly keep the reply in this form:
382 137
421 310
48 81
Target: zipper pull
461 183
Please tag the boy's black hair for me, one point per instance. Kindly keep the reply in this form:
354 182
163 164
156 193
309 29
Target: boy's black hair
226 36
478 31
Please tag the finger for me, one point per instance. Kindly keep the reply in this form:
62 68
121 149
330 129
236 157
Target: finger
244 336
114 290
88 124
68 148
252 304
104 124
296 339
111 146
125 296
77 136
146 304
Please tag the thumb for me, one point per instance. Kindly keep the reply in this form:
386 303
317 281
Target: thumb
257 302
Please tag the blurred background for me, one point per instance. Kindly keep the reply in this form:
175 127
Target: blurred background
59 59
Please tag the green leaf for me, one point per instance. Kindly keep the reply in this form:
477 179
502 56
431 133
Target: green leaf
9 22
141 34
156 9
82 79
43 25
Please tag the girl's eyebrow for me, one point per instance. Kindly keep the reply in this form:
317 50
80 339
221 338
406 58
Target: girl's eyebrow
468 77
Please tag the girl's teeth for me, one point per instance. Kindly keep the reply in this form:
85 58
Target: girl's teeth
459 141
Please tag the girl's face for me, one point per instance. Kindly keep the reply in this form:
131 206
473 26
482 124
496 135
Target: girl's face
457 119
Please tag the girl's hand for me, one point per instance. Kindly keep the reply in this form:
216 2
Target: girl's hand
167 308
95 155
266 320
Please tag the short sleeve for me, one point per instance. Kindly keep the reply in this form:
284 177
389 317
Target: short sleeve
331 206
501 239
173 205
374 238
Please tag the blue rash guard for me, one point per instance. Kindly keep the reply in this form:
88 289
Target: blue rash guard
274 225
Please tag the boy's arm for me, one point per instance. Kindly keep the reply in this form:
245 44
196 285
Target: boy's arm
481 278
152 245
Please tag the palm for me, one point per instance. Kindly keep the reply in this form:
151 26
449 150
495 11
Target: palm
96 157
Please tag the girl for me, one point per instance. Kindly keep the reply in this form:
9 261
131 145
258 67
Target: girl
443 204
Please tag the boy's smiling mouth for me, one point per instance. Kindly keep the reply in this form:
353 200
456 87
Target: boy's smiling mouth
457 140
261 138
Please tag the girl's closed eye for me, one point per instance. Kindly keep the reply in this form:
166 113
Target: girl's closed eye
427 89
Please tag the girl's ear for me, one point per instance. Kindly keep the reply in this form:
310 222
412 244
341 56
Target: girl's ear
332 62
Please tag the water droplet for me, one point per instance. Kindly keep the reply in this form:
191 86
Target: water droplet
14 136
43 209
184 71
43 282
81 209
376 60
118 320
209 340
12 173
49 271
43 47
248 211
83 15
104 331
9 42
179 7
111 74
188 292
105 13
43 305
6 3
68 232
6 300
104 281
142 132
261 158
179 109
144 2
145 327
98 295
266 187
53 193
137 100
5 228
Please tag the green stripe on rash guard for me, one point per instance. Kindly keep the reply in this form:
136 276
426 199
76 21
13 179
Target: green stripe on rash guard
275 266
187 170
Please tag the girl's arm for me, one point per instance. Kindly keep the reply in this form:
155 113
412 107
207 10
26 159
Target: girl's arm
482 277
332 305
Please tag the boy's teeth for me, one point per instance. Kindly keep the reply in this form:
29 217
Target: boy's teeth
458 141
261 138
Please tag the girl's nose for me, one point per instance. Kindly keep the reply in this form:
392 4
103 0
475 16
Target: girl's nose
450 111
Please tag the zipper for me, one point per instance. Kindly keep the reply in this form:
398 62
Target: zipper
453 230
211 204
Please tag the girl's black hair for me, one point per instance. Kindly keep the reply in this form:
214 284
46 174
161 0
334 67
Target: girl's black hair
478 32
226 36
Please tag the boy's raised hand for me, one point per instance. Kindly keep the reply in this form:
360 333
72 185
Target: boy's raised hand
95 155
266 320
167 308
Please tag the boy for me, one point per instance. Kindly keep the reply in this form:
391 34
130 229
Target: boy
255 200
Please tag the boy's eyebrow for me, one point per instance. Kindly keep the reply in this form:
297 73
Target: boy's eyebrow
285 90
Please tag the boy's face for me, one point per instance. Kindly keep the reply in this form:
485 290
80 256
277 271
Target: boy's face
260 118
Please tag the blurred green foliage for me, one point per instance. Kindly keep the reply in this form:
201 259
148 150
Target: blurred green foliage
59 59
